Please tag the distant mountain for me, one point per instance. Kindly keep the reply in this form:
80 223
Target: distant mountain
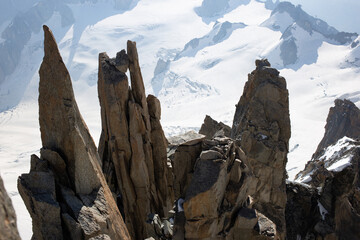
20 20
302 35
352 59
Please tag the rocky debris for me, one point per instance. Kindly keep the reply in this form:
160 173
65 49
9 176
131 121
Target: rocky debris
343 120
211 128
133 147
212 194
334 172
8 228
262 126
65 192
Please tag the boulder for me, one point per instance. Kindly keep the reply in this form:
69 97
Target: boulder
183 162
211 128
65 191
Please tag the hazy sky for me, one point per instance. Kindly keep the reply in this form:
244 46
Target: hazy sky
344 15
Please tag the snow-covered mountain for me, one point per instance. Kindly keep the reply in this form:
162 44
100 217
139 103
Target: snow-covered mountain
353 57
302 35
195 56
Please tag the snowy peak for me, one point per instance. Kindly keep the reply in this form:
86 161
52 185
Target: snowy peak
29 20
302 35
312 24
219 33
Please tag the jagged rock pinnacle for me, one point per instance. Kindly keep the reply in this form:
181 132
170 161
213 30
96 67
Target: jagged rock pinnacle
343 120
262 125
66 183
132 146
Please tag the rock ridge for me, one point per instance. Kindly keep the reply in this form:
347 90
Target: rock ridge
330 199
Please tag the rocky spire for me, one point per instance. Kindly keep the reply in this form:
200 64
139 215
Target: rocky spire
343 120
332 177
65 192
262 126
8 228
235 188
133 145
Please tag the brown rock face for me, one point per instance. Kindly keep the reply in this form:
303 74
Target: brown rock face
211 128
334 169
183 161
65 192
302 211
213 182
8 228
133 145
333 212
262 125
235 189
343 120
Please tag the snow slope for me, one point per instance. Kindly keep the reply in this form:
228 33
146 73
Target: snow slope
336 157
195 64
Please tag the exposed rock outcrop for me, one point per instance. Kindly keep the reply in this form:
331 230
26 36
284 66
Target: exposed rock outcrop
183 161
211 128
133 147
334 172
343 120
234 189
212 193
8 228
65 192
302 211
224 188
262 126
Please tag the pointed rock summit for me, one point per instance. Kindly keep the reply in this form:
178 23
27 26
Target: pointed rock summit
235 188
262 126
133 147
66 192
343 120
